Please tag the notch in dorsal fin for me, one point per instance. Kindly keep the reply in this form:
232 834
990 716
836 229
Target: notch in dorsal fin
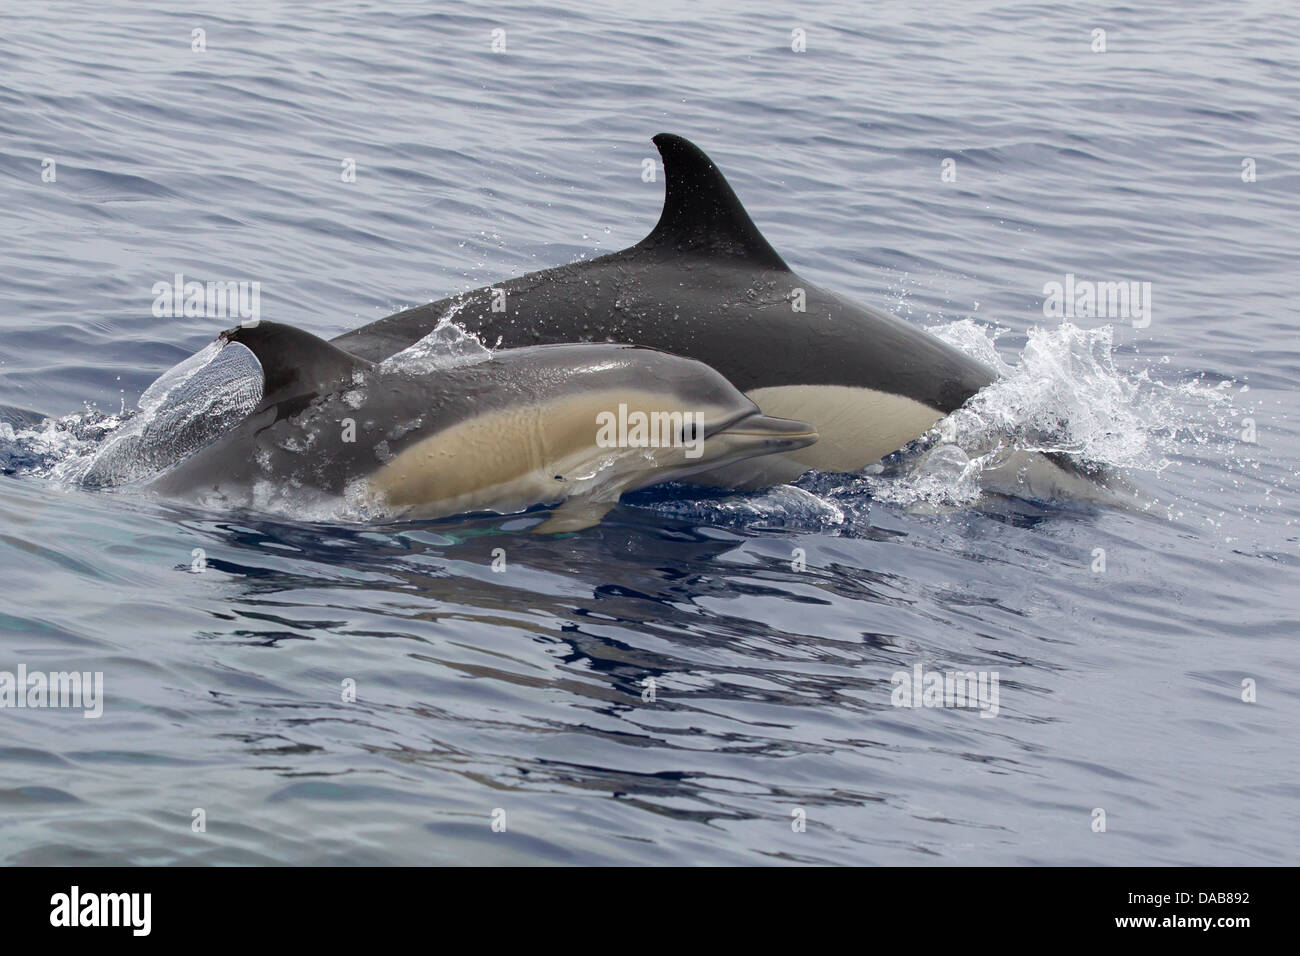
701 212
294 362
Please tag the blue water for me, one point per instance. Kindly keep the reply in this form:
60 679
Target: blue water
520 690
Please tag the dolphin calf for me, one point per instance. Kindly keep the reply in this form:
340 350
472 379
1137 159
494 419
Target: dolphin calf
575 425
705 284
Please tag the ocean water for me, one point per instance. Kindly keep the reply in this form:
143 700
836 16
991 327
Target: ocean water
701 678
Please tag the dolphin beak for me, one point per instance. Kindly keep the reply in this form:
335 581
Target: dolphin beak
769 434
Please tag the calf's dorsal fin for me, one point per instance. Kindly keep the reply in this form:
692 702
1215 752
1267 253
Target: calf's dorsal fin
294 362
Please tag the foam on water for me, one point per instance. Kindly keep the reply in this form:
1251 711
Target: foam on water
1064 396
184 409
45 448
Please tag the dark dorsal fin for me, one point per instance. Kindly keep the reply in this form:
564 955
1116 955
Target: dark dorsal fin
701 212
294 362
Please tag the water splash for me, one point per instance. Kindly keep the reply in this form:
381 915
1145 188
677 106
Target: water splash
1064 399
447 346
188 406
41 448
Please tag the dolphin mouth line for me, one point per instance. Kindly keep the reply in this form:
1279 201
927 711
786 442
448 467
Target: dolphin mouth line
784 431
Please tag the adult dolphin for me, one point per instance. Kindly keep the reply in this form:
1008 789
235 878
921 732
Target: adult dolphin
705 284
573 425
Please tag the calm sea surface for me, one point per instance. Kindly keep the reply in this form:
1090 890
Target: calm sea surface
770 624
